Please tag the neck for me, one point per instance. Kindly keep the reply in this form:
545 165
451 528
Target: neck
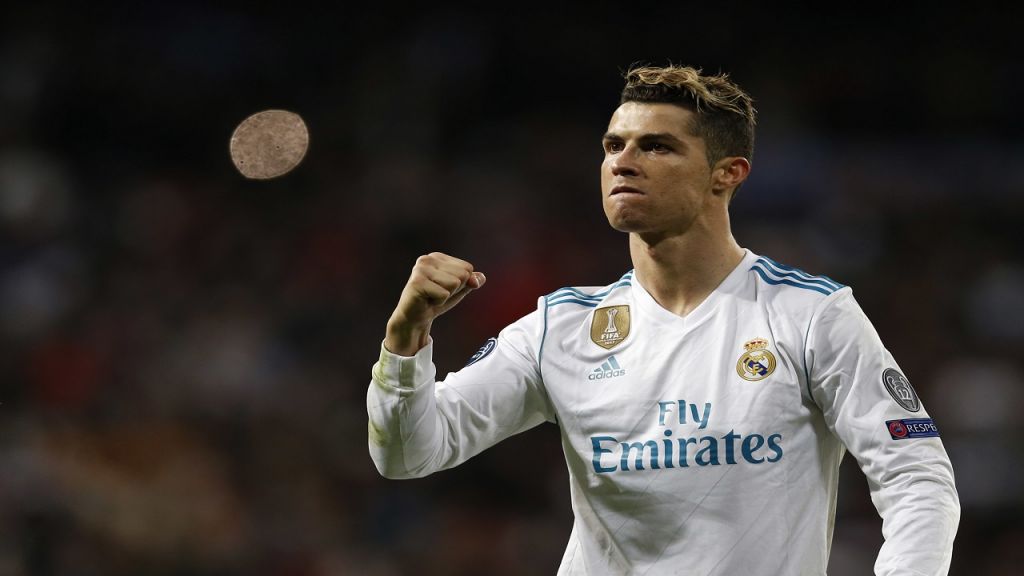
681 271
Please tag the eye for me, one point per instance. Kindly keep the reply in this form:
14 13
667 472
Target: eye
613 146
658 147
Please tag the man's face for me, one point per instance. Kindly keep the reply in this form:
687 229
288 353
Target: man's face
655 177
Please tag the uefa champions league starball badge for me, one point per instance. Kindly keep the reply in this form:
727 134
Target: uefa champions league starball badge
484 351
757 363
901 390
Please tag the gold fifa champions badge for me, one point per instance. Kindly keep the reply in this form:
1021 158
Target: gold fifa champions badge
757 363
610 326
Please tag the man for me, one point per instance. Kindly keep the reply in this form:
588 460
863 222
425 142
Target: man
705 399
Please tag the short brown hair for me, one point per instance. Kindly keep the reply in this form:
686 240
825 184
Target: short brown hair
725 115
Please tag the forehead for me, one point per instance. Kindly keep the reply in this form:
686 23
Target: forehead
635 118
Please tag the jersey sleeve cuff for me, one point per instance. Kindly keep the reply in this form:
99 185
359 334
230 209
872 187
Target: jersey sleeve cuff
405 372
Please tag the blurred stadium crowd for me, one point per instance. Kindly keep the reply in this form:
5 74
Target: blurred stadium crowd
185 353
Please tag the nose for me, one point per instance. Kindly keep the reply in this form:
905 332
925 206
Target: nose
624 163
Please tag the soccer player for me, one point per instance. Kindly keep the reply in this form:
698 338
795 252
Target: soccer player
705 398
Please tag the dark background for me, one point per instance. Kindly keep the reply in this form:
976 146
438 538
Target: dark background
184 354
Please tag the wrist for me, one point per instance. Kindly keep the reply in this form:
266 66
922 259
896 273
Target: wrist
405 339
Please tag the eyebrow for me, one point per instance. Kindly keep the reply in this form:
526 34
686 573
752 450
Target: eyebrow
645 137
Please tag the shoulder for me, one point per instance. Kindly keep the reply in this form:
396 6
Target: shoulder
573 301
565 310
577 298
792 296
789 286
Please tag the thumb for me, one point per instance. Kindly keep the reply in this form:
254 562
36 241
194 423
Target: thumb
476 280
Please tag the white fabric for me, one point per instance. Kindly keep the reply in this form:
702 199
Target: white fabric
745 475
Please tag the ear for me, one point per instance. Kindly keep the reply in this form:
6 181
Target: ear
728 173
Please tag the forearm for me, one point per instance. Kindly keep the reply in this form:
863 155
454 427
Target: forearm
406 439
407 430
920 513
418 426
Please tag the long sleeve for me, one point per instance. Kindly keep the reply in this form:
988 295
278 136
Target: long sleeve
874 411
418 426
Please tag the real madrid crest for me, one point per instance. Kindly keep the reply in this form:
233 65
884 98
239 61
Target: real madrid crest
757 363
610 326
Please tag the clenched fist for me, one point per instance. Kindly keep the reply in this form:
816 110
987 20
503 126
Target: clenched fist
438 282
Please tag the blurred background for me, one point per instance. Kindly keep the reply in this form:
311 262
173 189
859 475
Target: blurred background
184 354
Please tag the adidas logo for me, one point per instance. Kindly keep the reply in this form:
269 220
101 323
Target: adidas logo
609 369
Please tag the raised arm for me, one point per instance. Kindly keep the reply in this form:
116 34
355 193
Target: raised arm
418 426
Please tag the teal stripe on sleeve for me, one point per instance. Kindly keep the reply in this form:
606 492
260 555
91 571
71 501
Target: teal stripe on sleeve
764 276
779 268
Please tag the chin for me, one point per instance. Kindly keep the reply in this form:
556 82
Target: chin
629 225
627 218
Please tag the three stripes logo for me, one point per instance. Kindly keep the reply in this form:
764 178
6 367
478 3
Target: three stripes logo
774 273
609 369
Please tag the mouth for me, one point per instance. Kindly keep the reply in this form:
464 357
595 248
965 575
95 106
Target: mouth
624 190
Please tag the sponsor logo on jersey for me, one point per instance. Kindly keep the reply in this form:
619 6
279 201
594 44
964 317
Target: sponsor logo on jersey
685 441
609 369
757 363
483 352
912 428
901 390
610 326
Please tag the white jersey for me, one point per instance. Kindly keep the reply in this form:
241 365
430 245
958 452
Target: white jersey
697 445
